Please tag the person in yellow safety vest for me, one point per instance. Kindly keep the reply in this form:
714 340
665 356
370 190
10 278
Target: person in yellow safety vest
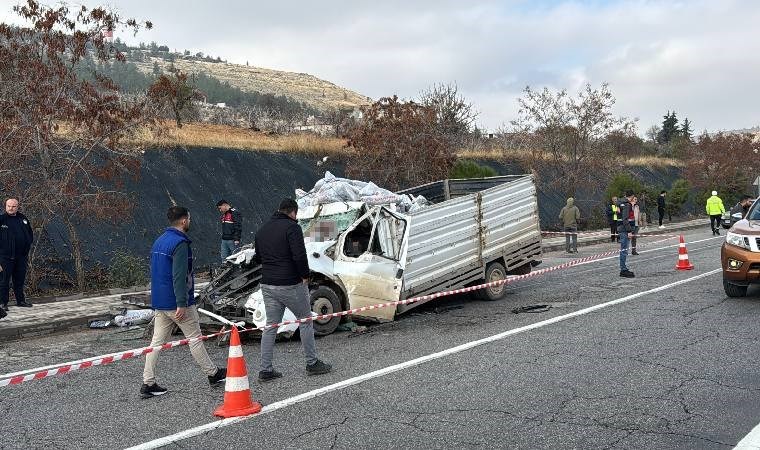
714 208
612 213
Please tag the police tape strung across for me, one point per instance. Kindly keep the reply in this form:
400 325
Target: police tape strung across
67 367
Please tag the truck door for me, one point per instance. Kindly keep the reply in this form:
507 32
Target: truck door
368 261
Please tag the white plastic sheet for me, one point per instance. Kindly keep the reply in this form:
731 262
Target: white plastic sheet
331 189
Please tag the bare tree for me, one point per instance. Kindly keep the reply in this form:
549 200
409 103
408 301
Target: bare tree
399 144
61 136
570 132
455 115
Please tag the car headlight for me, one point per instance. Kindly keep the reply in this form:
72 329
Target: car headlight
737 240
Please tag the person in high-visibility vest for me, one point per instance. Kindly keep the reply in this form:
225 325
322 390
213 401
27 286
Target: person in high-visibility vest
612 212
714 208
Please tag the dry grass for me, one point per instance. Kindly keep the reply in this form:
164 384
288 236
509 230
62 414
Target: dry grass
221 136
653 162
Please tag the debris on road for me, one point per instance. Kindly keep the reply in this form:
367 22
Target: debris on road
531 309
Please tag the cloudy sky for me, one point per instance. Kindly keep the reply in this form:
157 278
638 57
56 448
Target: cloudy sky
697 57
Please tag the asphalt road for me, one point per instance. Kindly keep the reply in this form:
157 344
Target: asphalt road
670 368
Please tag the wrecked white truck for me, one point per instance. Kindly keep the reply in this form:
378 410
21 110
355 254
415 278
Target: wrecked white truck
471 231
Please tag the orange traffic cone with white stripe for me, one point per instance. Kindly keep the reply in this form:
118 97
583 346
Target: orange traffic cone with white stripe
683 256
237 393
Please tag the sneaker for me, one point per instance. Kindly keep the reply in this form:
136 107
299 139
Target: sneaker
661 226
219 376
151 391
627 274
634 253
269 375
24 305
318 368
2 313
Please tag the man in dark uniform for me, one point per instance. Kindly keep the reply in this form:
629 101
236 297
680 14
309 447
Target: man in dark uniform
16 239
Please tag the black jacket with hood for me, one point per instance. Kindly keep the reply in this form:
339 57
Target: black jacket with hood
281 252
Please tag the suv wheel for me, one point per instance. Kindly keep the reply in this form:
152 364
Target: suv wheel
734 290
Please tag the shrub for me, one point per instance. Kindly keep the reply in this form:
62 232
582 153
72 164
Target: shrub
127 270
465 168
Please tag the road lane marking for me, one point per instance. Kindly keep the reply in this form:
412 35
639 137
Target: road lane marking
192 432
750 441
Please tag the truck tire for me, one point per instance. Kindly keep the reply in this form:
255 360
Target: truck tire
734 290
324 300
494 272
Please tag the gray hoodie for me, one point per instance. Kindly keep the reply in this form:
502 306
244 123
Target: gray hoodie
570 214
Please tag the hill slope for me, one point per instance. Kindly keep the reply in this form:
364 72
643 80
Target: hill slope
320 94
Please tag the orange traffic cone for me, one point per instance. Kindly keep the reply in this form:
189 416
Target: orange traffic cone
237 393
683 256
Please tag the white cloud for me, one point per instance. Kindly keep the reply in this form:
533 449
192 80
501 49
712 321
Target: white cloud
696 57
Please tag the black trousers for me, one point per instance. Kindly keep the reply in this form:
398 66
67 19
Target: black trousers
715 222
14 270
661 213
613 231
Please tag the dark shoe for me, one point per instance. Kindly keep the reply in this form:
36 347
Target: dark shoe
634 252
219 376
24 305
318 368
2 313
151 391
627 274
269 375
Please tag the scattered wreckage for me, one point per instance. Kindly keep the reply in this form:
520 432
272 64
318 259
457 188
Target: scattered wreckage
368 246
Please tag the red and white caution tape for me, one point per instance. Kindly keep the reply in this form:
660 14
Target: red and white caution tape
72 366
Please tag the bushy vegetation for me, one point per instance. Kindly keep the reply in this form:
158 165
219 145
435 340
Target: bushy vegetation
465 168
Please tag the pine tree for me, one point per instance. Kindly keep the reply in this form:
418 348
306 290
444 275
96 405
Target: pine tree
686 129
669 128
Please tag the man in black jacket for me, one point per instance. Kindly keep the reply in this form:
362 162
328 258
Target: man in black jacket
661 207
281 252
625 228
232 228
16 239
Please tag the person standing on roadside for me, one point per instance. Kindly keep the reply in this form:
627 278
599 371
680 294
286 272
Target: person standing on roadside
612 219
232 228
661 207
16 237
714 208
624 229
570 215
172 296
637 224
285 272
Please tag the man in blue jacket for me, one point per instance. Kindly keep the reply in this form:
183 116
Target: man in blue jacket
16 239
172 290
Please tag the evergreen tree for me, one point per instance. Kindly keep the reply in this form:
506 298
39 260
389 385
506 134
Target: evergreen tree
686 129
669 128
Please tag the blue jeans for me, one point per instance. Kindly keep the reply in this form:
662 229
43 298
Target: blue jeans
227 248
623 248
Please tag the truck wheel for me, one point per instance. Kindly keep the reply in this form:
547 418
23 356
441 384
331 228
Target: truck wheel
734 290
324 300
494 272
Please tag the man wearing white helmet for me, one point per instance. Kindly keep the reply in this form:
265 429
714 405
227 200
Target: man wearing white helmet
714 208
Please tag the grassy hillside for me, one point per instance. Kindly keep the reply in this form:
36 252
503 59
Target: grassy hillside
320 94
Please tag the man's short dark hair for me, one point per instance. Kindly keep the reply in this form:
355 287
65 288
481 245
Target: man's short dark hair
287 206
745 197
663 192
222 202
629 193
177 213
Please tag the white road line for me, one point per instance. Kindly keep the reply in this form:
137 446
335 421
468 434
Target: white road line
405 365
750 441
